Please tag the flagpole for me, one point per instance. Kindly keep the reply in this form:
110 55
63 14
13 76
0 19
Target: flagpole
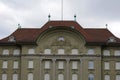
61 9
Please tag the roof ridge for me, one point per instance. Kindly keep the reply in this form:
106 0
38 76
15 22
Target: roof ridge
96 28
28 28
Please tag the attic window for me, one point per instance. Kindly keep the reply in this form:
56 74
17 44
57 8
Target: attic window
11 39
50 26
72 27
111 39
61 39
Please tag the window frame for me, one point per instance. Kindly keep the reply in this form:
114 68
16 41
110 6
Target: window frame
60 64
91 51
47 51
5 52
30 76
106 65
61 51
74 52
74 65
5 64
90 64
117 65
15 65
30 64
47 65
31 51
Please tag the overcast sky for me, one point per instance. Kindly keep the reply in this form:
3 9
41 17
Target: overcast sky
34 14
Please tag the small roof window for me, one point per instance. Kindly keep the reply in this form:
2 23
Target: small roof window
11 39
111 39
61 39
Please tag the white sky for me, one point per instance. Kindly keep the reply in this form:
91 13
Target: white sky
34 14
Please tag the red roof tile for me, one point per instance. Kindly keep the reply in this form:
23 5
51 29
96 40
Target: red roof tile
30 35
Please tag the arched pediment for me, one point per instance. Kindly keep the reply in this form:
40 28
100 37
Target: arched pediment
60 38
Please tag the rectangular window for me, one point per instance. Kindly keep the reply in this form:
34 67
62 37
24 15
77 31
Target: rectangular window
117 77
31 51
74 65
74 51
91 77
47 51
15 77
30 76
107 77
47 64
117 53
90 65
106 53
60 51
5 64
117 65
15 64
91 51
4 76
30 64
60 77
47 77
5 52
60 65
74 77
106 65
16 52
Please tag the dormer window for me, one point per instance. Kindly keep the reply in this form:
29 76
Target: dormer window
11 39
111 39
72 27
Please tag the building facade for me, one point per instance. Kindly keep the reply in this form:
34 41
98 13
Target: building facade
60 50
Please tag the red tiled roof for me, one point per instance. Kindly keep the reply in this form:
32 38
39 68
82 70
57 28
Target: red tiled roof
100 35
27 35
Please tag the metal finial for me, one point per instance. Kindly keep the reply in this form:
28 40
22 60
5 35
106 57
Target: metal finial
49 17
75 17
106 25
19 26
